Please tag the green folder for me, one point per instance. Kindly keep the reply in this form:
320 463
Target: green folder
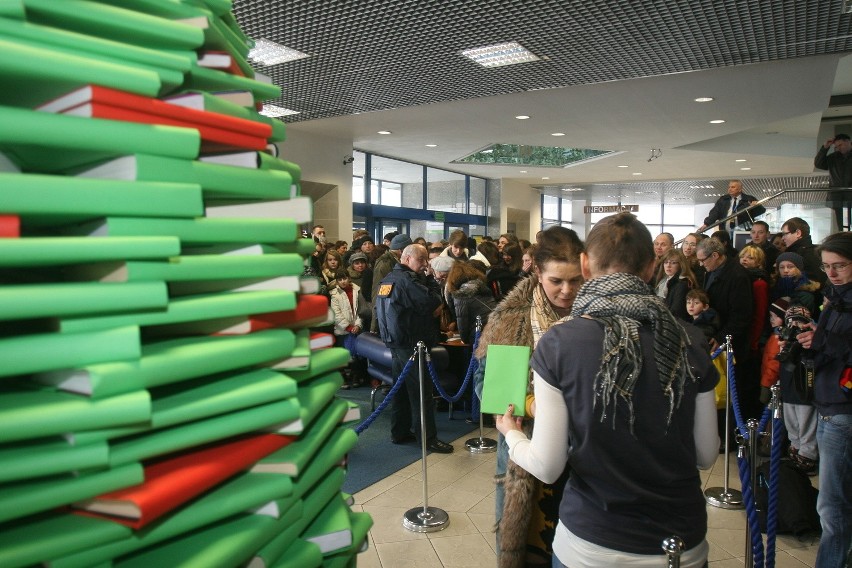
300 554
53 251
189 308
27 497
217 181
204 79
507 375
314 396
39 458
160 442
35 195
84 298
331 529
48 351
198 231
171 361
322 362
31 541
27 414
237 495
77 140
293 458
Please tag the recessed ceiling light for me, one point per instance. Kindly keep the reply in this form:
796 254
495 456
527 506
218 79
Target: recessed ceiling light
558 134
275 111
622 166
637 173
703 99
744 169
545 178
717 121
268 52
523 171
383 132
431 145
501 54
522 117
741 160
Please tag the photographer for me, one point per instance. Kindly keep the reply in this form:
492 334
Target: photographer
830 342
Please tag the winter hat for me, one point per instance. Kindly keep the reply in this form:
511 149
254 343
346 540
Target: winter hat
399 242
356 244
793 257
442 263
356 257
798 311
780 306
391 235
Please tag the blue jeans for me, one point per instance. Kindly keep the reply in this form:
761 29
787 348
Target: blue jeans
834 504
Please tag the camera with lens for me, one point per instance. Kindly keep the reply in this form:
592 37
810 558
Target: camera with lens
791 354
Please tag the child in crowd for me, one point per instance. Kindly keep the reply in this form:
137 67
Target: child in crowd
789 280
347 324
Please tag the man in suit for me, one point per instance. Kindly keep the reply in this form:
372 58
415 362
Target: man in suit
726 205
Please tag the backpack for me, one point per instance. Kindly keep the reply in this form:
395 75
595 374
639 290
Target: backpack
797 514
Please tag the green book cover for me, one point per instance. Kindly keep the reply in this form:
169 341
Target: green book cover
84 298
76 141
194 232
171 361
27 414
331 456
53 534
323 361
292 459
314 396
54 251
189 308
204 79
331 529
160 442
506 377
27 497
300 554
235 496
49 351
38 458
304 247
46 196
299 359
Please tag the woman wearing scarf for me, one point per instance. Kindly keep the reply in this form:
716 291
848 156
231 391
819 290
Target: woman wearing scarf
630 392
526 509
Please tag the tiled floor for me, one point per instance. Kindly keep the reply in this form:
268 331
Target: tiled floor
461 484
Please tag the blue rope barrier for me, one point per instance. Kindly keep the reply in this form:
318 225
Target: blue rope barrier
772 507
751 513
471 368
396 386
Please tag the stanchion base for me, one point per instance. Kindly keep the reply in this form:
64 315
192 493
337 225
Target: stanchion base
481 445
430 520
718 497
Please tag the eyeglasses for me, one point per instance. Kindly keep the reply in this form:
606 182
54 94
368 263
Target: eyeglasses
701 260
837 266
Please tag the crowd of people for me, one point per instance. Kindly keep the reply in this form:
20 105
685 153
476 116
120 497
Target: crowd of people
624 402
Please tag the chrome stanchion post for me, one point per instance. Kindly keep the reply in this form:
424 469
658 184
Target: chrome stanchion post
425 518
480 445
673 547
725 497
752 425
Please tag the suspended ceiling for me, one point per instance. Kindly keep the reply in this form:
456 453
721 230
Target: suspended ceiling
618 76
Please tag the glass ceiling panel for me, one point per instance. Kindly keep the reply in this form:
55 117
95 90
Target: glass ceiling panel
544 156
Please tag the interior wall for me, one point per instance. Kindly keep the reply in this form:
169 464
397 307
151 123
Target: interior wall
525 206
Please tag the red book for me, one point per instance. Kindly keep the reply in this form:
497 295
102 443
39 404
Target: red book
321 340
311 309
94 94
171 482
10 226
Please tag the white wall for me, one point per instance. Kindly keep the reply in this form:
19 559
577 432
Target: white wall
515 195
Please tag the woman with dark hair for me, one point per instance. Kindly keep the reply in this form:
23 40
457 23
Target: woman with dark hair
506 274
471 297
630 391
525 507
674 280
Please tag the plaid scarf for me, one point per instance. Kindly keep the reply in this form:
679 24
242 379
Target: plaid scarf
622 303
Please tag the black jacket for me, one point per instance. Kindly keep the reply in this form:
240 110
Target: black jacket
731 296
723 204
405 306
832 352
805 248
474 298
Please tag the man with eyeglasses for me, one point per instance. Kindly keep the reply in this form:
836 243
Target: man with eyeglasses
796 234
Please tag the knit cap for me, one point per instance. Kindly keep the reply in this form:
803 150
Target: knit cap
399 242
793 257
356 257
442 263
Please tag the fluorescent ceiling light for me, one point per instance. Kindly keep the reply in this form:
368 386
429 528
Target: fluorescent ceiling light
275 111
745 169
558 134
499 55
740 160
431 145
545 178
704 99
637 173
622 166
383 132
522 117
717 121
268 52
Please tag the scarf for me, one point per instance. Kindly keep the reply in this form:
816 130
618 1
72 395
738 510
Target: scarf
622 303
542 314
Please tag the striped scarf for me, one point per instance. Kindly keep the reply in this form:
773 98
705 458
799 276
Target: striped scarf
622 303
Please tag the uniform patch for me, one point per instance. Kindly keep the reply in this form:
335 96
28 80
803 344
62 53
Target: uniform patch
385 289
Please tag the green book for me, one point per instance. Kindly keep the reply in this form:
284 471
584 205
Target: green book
76 141
159 442
27 497
314 396
300 357
84 298
237 495
171 361
331 456
34 540
298 208
353 413
49 73
323 361
217 181
331 529
225 544
109 22
506 379
210 102
203 79
304 247
39 458
51 197
49 351
193 232
292 459
300 554
54 251
189 308
27 414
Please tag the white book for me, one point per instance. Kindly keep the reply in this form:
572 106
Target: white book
196 100
7 165
300 209
239 159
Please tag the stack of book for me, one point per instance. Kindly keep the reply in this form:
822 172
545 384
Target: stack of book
162 400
